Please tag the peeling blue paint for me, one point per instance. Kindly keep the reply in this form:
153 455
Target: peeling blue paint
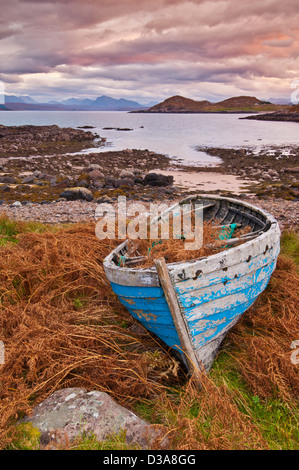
233 286
207 314
212 292
149 300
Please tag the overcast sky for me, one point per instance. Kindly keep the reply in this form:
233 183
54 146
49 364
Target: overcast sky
149 50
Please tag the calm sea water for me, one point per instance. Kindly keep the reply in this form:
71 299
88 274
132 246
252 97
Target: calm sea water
176 135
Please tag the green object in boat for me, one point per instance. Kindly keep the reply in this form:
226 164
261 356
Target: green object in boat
227 232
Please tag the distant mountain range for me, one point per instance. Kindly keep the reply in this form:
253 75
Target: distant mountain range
246 104
174 104
18 99
102 103
280 101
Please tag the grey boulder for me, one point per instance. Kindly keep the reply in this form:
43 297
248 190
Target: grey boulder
71 412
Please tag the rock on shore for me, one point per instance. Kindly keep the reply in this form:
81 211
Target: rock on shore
32 140
290 115
274 170
54 186
46 178
73 412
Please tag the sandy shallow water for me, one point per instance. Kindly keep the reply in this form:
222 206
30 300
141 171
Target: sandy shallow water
206 181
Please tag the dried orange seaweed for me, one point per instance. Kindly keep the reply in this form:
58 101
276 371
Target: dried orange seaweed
174 250
62 326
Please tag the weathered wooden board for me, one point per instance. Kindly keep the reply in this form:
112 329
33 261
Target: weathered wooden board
194 365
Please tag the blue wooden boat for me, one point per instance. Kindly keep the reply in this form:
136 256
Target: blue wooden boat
210 293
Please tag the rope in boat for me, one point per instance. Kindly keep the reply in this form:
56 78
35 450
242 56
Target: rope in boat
122 259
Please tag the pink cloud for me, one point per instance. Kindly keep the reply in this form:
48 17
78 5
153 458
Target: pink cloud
220 41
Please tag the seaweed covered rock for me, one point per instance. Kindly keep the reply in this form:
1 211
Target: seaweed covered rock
75 194
157 179
124 182
7 179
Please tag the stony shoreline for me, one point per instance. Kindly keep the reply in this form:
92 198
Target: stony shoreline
290 115
38 164
275 170
54 175
65 212
29 140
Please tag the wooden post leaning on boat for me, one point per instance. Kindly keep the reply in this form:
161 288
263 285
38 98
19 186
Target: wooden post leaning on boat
195 368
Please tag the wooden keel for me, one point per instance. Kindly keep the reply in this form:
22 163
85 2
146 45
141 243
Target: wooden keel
196 369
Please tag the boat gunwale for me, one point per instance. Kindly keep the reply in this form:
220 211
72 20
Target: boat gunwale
181 265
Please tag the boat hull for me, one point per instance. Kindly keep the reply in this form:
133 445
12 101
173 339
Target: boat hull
212 293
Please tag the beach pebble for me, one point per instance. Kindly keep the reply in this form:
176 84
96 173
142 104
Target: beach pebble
39 174
126 174
273 173
7 179
93 166
124 182
266 176
96 174
28 179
